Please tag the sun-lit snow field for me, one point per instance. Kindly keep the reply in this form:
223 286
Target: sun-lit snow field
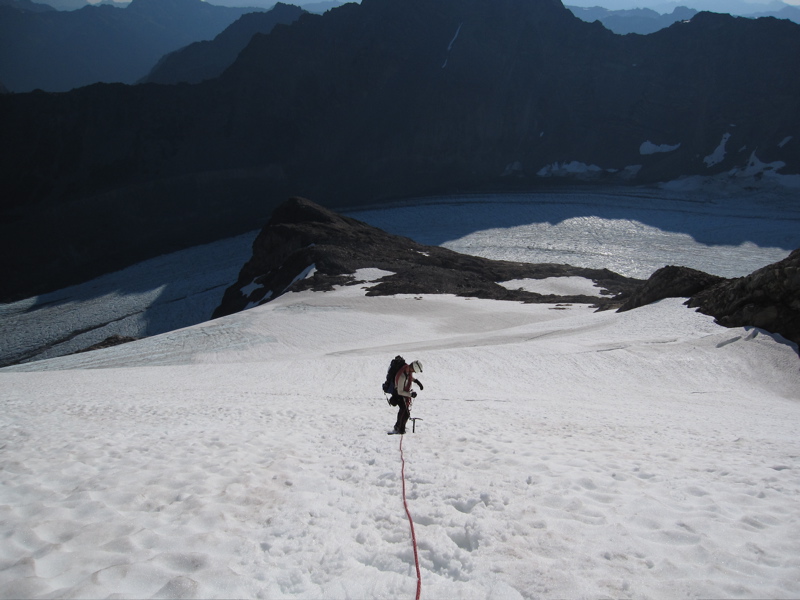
562 453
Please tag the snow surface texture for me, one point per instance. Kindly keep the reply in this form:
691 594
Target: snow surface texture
563 453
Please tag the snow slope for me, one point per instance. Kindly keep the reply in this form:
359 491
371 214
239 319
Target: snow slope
561 453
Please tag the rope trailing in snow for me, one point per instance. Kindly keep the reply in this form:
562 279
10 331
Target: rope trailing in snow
408 514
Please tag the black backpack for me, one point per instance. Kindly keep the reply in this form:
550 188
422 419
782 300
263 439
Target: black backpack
397 363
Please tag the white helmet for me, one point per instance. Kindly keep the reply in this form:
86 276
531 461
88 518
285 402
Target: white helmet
416 366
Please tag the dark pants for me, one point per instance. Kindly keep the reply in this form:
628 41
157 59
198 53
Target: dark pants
403 414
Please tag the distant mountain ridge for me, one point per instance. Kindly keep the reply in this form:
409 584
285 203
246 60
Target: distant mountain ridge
313 7
645 20
382 100
637 20
791 13
61 50
51 4
208 59
27 5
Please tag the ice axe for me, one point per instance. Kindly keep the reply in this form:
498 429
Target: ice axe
414 423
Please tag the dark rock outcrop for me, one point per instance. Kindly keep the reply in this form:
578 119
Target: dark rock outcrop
670 282
380 100
301 235
768 298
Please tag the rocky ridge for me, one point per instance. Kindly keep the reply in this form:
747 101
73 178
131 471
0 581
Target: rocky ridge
768 298
303 238
670 282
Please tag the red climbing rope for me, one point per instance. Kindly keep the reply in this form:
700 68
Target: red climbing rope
408 514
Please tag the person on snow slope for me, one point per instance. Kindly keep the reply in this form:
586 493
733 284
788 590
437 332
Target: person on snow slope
403 395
